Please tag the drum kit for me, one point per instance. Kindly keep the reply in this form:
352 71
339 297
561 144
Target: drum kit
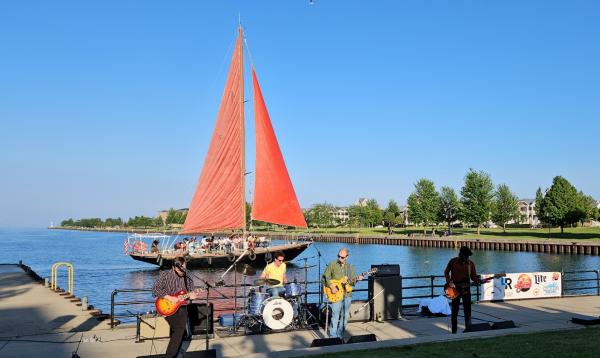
272 305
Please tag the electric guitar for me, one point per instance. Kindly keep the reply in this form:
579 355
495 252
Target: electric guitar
343 286
453 292
168 308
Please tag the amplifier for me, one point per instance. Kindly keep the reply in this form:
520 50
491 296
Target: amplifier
384 270
198 314
360 311
385 295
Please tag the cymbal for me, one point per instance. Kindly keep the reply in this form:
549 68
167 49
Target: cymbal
266 281
246 270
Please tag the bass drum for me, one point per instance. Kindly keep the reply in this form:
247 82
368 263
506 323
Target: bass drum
277 313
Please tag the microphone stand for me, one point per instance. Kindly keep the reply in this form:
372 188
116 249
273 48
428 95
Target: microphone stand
320 281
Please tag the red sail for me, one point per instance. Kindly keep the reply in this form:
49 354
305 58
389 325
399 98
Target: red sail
274 197
219 201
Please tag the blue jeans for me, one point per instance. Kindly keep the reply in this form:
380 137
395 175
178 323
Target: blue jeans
340 311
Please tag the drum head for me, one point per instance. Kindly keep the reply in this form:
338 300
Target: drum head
277 313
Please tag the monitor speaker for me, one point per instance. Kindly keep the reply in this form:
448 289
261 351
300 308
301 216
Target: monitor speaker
322 342
362 338
503 325
198 314
588 321
476 327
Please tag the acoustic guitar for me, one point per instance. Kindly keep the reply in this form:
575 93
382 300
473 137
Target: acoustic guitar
453 292
343 286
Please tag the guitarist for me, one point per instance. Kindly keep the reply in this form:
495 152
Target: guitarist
340 311
168 283
459 273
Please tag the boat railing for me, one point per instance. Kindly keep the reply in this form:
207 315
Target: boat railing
413 289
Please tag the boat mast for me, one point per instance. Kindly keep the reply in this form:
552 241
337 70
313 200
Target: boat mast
243 136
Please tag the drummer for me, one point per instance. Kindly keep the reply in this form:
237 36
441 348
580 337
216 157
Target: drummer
276 270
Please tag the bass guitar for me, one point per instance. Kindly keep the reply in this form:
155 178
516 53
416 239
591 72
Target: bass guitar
453 292
343 286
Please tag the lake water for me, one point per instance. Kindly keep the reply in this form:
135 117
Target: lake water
101 265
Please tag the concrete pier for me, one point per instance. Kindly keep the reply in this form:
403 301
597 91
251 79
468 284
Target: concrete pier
37 321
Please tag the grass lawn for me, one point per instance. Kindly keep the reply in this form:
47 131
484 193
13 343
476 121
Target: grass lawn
569 343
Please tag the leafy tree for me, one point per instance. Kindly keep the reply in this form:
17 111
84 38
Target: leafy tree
539 206
424 203
321 215
476 198
505 206
586 207
391 215
562 203
68 222
374 215
159 222
175 217
449 206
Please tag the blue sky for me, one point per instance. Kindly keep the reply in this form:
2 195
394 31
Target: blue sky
107 107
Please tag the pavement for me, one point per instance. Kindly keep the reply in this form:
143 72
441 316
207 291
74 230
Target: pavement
37 321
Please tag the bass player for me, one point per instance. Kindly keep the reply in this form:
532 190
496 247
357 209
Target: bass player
340 311
169 282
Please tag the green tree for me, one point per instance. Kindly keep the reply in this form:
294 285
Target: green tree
321 215
476 198
68 222
392 215
374 214
539 206
562 203
449 206
424 203
586 207
505 207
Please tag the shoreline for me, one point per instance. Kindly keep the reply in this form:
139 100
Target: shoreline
552 246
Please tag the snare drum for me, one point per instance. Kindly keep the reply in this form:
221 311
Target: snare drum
292 290
255 302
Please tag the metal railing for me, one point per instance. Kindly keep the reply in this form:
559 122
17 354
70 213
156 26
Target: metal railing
414 288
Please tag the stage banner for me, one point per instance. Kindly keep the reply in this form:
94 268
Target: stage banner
515 286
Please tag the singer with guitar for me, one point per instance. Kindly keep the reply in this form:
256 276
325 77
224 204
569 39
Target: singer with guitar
340 311
168 284
459 273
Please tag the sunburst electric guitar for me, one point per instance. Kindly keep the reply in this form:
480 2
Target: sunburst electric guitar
453 292
343 286
167 308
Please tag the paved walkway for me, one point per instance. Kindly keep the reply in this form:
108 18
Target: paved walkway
37 321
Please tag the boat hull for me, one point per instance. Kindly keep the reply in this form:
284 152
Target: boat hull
222 260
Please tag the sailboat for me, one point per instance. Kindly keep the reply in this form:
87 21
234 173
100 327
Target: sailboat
219 202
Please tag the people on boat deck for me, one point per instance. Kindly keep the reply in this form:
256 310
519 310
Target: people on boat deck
154 248
276 270
168 284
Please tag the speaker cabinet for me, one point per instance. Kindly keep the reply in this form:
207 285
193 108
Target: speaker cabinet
154 326
198 314
362 338
360 311
322 342
385 295
385 270
503 325
477 327
210 353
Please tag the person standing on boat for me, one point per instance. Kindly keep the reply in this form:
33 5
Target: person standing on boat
340 311
276 270
459 273
167 285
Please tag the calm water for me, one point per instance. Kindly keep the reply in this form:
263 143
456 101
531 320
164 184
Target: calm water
101 266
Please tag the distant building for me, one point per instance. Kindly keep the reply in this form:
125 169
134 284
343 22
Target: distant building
362 202
341 215
527 213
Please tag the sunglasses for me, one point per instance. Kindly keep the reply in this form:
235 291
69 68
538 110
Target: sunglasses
342 257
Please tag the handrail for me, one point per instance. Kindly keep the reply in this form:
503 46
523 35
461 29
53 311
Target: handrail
70 276
434 284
